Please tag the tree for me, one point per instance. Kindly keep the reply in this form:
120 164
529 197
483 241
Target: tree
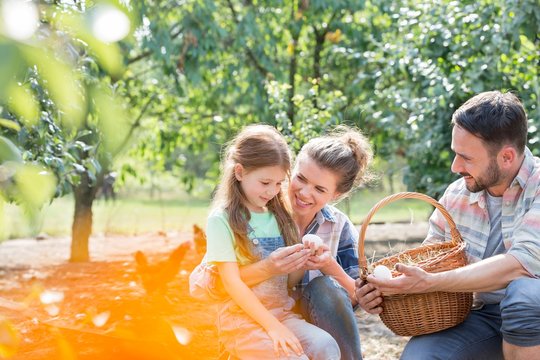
232 63
395 69
61 105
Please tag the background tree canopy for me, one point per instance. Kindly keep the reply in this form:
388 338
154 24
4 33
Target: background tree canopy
396 69
76 104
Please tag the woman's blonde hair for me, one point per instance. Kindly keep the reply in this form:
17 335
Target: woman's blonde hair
256 146
346 152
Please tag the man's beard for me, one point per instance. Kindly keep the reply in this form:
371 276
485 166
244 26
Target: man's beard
491 177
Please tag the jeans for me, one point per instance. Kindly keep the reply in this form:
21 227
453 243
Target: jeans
326 304
516 320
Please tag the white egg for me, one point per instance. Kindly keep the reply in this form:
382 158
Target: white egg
382 272
312 238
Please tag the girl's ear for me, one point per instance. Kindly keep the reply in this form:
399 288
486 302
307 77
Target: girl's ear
238 172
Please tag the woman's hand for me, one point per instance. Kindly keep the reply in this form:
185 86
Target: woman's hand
284 340
322 257
287 259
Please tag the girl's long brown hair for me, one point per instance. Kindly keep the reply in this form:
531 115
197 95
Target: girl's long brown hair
256 146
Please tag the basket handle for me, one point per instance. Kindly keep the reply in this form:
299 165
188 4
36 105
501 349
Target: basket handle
456 237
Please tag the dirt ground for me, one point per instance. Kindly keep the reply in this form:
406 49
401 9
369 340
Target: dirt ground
53 309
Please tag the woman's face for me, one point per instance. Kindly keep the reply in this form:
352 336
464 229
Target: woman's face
311 187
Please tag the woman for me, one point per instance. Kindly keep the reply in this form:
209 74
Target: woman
326 170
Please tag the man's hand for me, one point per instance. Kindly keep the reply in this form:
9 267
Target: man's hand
368 297
287 259
412 280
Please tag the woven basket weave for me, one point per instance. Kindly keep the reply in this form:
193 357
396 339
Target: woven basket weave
417 314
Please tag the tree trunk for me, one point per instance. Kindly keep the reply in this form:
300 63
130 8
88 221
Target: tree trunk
84 193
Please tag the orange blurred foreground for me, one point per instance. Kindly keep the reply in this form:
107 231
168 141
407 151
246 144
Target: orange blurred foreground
99 310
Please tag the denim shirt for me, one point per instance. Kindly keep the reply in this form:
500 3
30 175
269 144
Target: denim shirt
338 232
520 218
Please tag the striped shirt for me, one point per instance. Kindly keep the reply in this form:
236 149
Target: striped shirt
338 232
520 217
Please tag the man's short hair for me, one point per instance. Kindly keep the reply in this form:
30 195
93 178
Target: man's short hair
497 118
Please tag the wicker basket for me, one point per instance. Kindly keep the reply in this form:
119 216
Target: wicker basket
417 314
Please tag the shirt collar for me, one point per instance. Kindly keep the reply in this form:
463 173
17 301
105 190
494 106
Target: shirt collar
325 214
526 169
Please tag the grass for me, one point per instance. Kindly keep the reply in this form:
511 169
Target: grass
407 210
126 216
134 214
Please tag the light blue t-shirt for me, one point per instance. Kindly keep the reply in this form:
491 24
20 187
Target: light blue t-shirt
221 245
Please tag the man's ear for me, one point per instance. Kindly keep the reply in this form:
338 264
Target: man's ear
507 156
238 172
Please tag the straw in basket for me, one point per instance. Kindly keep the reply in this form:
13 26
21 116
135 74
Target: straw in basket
417 314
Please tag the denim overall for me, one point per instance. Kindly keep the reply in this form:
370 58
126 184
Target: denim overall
244 338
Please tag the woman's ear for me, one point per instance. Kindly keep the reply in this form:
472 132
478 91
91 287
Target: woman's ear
336 197
238 172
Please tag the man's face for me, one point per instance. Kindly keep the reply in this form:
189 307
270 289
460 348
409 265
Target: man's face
474 162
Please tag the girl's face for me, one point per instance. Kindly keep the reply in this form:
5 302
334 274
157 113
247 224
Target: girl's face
311 188
260 185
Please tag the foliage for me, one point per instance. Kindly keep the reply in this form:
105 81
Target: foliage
430 58
58 98
233 63
396 69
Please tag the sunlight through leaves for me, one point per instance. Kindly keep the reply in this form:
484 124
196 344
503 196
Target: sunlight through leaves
109 24
19 18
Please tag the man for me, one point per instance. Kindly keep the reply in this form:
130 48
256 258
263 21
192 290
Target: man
496 206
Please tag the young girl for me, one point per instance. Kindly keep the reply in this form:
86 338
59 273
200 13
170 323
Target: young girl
249 221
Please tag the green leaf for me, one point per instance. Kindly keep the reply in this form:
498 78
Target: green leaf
12 64
8 151
60 80
10 124
36 186
24 104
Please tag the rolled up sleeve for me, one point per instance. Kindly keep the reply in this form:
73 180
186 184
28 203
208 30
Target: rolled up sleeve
526 243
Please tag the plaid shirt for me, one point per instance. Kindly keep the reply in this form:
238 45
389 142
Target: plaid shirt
338 232
520 218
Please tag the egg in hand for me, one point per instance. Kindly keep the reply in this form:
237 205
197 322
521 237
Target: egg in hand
309 239
382 272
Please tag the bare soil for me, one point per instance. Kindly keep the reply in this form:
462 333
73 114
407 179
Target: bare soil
99 309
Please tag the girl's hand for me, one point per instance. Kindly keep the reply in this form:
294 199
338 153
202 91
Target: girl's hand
286 260
284 340
322 258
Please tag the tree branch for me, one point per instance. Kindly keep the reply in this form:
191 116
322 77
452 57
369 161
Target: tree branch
147 53
251 56
319 42
293 66
135 125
